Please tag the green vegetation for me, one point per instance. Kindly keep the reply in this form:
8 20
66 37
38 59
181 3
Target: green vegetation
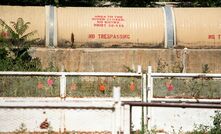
103 86
196 87
187 88
206 3
19 86
14 45
41 86
121 3
22 129
214 129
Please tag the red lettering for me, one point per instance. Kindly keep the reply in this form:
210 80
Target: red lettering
211 36
111 21
100 25
91 36
113 36
99 21
219 36
121 25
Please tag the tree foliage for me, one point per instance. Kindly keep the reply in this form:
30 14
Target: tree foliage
122 3
14 45
206 3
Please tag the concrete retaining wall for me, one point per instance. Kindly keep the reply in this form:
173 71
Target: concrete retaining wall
118 60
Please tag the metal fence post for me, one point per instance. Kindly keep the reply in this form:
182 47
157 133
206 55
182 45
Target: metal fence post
62 86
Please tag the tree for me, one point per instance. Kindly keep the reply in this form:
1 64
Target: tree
122 3
206 3
135 3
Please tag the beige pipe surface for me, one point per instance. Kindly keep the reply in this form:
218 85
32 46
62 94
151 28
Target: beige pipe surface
110 26
198 27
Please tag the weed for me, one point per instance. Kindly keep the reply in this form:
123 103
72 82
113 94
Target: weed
205 68
128 69
22 129
215 129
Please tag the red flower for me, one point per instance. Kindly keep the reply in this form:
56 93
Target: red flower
50 82
40 85
102 87
170 87
132 86
4 34
73 86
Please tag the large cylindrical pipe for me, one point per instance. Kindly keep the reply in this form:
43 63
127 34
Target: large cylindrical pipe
121 27
198 27
124 27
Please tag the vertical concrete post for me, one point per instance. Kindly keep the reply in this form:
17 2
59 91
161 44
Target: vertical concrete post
117 107
139 69
149 84
116 94
113 122
144 90
126 120
184 53
149 95
62 86
62 128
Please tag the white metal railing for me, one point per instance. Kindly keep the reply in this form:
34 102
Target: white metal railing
150 89
147 80
150 86
149 98
113 104
62 102
63 76
147 89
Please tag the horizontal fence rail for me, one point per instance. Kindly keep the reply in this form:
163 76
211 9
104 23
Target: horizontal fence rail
71 74
130 104
194 75
179 105
63 76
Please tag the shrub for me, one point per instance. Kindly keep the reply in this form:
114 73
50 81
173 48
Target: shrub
215 129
